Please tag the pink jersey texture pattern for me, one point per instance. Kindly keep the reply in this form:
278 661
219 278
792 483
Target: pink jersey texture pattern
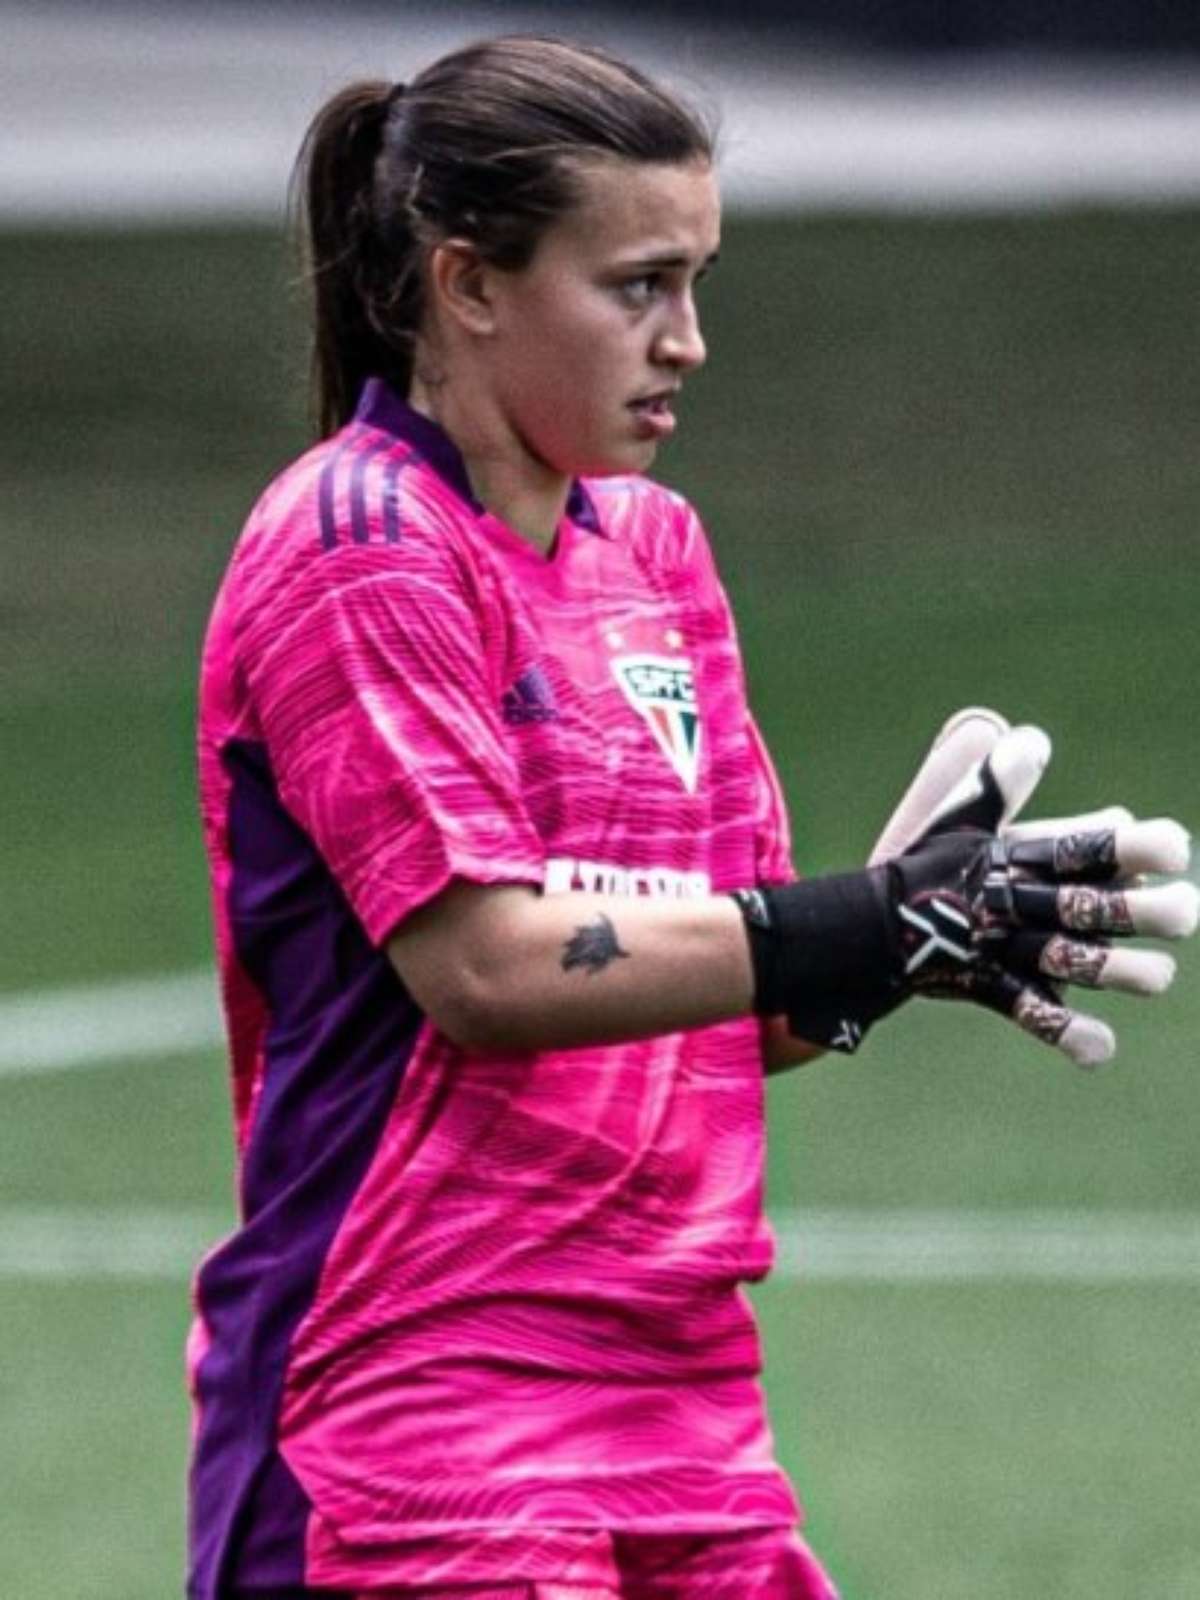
472 1296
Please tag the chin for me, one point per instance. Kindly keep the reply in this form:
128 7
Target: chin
636 457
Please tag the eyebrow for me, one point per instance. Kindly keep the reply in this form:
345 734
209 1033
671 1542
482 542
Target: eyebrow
669 258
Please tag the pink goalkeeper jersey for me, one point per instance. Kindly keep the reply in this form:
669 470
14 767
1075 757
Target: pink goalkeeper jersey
472 1297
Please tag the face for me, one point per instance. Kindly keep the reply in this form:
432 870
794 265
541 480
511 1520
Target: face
591 341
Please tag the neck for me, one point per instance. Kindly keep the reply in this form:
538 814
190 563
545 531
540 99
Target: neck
514 485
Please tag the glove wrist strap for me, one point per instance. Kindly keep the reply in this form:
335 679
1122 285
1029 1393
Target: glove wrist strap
822 953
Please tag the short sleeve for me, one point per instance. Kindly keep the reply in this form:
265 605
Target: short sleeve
373 692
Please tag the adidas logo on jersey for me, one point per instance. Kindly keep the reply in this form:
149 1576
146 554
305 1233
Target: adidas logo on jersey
530 699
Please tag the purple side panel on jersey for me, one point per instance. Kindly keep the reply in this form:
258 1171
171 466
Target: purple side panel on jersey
343 1028
271 1536
381 407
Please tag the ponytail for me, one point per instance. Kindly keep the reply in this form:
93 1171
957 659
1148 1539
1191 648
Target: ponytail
357 279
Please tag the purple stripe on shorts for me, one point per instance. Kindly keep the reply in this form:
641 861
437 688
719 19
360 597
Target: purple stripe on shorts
342 1030
360 528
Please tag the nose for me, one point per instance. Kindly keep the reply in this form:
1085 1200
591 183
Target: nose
680 343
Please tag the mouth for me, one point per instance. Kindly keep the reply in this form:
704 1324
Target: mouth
653 413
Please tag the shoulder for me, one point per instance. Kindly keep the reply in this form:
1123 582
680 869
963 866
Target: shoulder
361 486
657 524
361 499
361 510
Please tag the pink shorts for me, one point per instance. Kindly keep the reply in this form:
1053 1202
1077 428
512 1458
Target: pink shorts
759 1564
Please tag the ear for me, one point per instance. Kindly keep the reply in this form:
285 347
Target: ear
461 283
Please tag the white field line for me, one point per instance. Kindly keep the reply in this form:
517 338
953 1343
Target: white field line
815 1247
155 1017
127 1020
1092 1247
82 1246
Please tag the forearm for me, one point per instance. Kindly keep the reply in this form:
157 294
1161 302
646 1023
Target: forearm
537 972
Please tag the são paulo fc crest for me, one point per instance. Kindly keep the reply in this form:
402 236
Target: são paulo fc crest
661 689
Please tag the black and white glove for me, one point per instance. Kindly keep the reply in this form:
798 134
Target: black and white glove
959 904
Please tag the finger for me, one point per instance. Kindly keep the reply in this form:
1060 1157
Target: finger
1106 817
1018 762
964 741
1159 845
1167 911
1087 1041
1062 959
1129 849
1038 1011
991 794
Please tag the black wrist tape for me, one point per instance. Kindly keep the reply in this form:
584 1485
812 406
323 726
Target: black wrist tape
823 954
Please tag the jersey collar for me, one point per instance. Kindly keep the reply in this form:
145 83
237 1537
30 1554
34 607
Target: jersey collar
379 406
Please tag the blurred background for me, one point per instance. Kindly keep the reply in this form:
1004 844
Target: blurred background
946 447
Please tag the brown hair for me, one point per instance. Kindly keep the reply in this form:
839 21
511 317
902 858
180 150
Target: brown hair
484 145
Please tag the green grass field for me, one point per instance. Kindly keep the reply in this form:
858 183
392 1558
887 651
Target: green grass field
943 462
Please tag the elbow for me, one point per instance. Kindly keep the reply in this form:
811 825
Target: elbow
475 1023
463 960
474 1013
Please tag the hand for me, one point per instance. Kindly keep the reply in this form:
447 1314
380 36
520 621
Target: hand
973 908
1005 923
1029 891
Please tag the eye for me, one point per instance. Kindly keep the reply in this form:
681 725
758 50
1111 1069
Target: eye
641 290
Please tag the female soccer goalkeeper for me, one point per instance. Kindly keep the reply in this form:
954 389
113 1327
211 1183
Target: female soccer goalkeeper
504 904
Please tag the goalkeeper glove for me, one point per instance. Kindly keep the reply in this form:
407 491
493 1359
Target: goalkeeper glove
978 911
